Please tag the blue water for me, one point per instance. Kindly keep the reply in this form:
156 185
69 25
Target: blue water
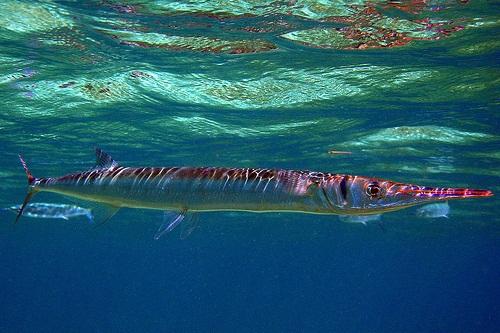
411 91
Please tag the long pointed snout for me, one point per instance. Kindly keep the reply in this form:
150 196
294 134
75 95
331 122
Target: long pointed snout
439 192
365 196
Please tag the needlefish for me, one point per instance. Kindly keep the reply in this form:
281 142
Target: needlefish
51 211
434 210
179 190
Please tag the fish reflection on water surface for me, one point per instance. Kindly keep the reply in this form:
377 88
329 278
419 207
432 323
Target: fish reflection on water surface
51 211
433 211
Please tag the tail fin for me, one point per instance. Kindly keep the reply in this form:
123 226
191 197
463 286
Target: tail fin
31 191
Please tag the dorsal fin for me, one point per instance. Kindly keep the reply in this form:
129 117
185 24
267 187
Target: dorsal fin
104 161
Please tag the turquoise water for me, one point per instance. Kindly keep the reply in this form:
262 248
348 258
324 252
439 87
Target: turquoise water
410 89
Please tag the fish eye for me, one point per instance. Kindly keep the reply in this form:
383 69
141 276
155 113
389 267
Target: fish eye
373 189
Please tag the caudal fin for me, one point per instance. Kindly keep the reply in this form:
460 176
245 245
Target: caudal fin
31 191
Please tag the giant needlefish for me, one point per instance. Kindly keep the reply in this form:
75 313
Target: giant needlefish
199 189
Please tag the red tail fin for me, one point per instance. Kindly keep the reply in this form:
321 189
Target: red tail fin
30 176
31 191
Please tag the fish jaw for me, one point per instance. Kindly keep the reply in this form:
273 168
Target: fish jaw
367 196
397 196
440 193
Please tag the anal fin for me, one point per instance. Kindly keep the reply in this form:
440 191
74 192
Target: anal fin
102 213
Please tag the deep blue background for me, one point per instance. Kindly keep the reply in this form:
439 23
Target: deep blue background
278 272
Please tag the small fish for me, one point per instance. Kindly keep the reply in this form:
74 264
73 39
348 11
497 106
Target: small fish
359 218
337 152
51 211
433 211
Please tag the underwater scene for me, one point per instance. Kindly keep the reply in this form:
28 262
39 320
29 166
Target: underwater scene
307 126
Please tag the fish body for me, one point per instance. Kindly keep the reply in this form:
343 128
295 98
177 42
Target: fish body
51 211
200 189
360 218
434 210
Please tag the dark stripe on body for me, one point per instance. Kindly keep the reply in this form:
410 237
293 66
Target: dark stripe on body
343 188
